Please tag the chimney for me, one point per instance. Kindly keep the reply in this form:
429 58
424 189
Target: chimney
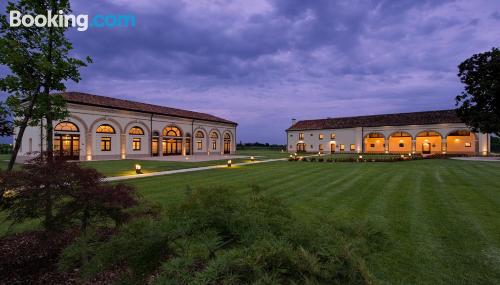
294 121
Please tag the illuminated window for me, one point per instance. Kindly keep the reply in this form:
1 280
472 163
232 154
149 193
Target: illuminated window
199 135
66 127
301 136
353 147
321 136
136 131
172 132
106 129
320 147
136 144
342 147
332 136
105 144
214 135
214 145
401 145
199 145
468 144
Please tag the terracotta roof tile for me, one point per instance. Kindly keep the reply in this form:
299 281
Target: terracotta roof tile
109 102
400 119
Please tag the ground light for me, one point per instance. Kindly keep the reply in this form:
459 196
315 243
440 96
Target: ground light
229 163
252 158
138 169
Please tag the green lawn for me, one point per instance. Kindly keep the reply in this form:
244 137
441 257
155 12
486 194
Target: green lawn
127 167
442 216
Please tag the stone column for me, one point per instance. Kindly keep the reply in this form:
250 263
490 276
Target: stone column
123 146
160 146
443 145
183 146
413 145
88 146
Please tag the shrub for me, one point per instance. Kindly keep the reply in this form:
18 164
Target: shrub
321 159
329 159
312 159
216 237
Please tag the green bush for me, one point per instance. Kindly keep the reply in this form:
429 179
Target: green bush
216 237
312 159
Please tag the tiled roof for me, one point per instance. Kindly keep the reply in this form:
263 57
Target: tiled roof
109 102
401 119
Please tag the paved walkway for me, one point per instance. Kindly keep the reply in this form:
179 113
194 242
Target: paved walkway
479 158
168 172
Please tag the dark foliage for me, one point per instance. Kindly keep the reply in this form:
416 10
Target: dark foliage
60 192
215 237
479 103
5 148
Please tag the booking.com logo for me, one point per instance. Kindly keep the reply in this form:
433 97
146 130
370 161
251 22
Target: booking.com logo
81 22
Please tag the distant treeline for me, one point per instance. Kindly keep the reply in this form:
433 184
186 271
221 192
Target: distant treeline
5 148
495 144
254 145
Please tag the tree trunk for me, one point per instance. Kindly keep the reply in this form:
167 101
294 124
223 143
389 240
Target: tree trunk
47 88
22 128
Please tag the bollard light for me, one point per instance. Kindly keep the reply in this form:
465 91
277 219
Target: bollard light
138 169
252 158
229 163
360 157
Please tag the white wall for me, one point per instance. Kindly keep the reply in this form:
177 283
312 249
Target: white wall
89 118
355 136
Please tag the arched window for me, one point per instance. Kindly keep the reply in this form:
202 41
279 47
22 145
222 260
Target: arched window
214 135
227 136
199 135
136 131
400 134
375 135
172 132
460 133
429 134
66 127
106 129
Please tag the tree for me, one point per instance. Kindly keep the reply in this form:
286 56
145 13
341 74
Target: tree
6 126
60 192
479 103
39 61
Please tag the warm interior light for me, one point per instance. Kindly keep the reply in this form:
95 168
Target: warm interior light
138 169
457 140
229 163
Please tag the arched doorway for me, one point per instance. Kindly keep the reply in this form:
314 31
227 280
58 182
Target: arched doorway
400 142
374 143
428 142
214 138
172 141
461 141
67 141
301 147
227 143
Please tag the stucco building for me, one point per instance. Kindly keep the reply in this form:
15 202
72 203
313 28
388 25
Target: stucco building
418 132
102 127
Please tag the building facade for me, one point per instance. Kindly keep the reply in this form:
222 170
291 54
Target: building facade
100 128
420 132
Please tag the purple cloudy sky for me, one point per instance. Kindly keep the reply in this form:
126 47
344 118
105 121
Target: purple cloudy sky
262 62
